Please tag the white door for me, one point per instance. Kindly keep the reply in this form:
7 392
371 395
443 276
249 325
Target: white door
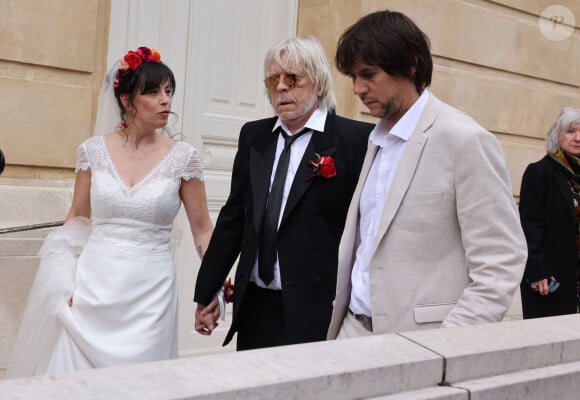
216 50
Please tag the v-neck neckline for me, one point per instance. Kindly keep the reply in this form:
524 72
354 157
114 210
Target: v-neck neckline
145 178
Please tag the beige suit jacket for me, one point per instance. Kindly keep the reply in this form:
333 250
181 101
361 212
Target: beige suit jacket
450 249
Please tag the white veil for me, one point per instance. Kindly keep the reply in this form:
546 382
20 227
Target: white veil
51 289
108 111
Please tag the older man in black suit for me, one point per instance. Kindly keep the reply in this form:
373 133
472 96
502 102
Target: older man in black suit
292 180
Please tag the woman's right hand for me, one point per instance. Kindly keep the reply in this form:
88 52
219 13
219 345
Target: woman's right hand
541 286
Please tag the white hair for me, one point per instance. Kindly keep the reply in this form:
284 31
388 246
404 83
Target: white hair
568 117
304 52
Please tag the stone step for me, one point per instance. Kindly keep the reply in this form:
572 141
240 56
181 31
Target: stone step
31 201
25 243
32 233
16 276
20 246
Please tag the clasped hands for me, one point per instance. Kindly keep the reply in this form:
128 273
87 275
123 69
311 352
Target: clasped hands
206 317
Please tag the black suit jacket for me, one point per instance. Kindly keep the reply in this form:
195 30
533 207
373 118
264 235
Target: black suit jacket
310 228
548 218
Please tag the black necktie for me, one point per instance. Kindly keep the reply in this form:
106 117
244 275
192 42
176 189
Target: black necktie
268 248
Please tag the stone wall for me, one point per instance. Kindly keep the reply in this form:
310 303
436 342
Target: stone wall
492 59
532 359
52 60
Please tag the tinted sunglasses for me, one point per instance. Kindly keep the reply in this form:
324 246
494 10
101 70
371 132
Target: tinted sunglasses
289 80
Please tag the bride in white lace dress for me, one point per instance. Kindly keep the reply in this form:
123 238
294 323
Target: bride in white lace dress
119 305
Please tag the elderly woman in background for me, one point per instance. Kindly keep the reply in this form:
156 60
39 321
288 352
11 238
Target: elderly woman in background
550 216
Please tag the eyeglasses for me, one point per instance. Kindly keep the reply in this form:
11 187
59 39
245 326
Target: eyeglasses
289 80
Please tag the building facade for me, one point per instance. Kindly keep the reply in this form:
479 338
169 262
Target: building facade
511 64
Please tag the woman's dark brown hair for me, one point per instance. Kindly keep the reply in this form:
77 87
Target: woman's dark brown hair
148 76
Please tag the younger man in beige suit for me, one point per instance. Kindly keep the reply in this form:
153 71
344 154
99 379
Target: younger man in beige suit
432 237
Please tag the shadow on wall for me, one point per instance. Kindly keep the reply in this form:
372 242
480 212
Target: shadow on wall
2 161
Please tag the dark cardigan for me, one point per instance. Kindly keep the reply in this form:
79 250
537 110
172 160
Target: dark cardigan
547 214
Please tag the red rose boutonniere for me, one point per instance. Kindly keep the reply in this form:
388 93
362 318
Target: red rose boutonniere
323 166
229 291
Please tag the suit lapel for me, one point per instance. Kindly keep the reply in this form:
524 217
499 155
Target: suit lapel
408 164
261 162
320 143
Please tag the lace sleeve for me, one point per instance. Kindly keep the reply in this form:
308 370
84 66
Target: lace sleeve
193 167
82 159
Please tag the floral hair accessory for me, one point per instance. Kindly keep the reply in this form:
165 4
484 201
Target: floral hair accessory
229 291
156 55
132 60
323 166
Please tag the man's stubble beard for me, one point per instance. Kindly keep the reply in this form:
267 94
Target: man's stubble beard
303 110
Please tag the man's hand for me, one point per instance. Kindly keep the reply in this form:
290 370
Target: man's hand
206 317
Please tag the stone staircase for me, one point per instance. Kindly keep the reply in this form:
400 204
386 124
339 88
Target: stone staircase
24 202
18 263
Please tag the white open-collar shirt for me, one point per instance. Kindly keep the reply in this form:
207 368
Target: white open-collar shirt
314 124
391 145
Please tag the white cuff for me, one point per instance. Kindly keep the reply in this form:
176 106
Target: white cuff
222 299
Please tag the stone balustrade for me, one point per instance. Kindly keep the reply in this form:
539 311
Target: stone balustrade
532 359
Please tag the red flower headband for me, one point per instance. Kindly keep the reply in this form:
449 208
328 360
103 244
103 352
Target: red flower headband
132 61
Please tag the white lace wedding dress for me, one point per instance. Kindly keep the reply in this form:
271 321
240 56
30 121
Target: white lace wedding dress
124 289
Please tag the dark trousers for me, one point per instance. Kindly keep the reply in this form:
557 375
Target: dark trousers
261 321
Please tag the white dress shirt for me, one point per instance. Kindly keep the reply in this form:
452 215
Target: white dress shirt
315 124
391 145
